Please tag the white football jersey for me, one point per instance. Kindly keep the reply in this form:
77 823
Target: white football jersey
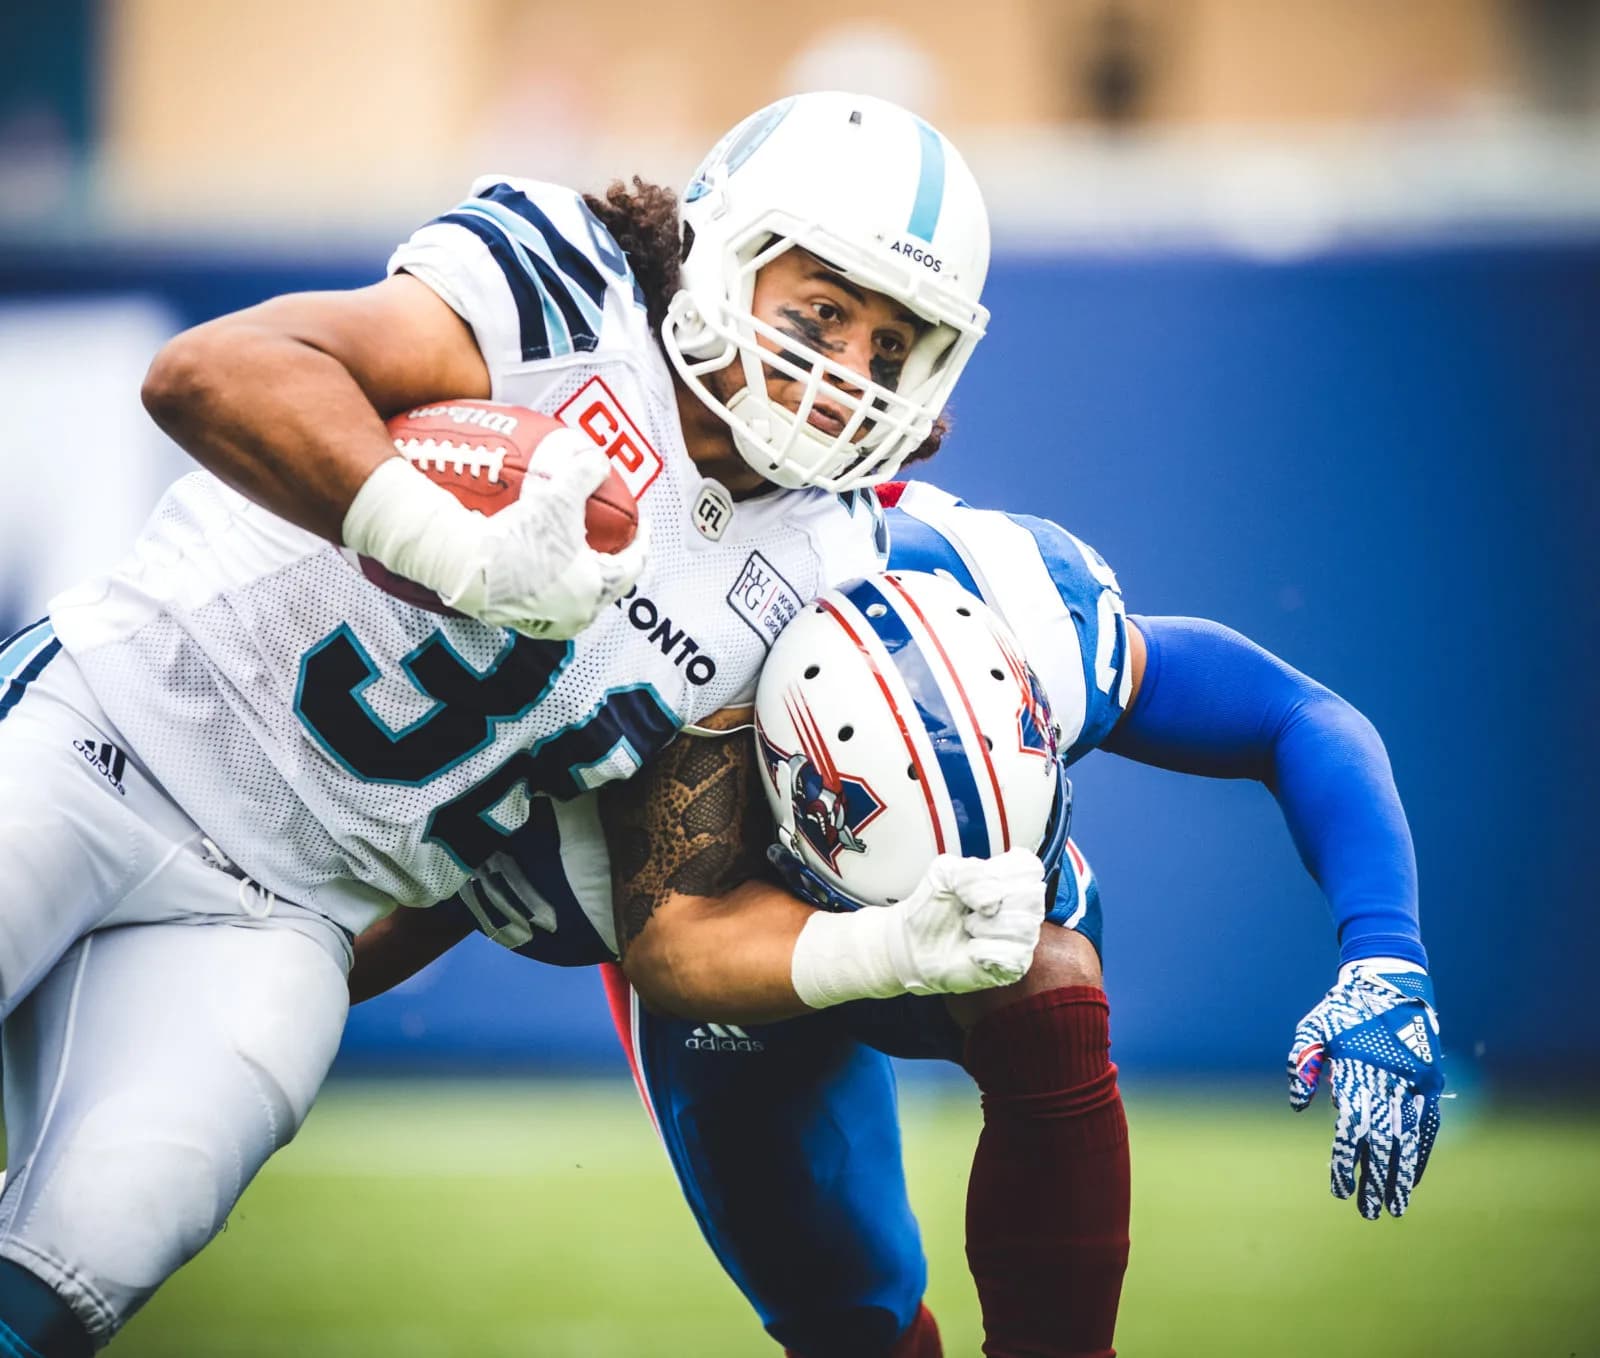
347 749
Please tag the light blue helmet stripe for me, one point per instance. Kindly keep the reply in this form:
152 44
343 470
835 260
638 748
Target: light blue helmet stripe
950 750
930 184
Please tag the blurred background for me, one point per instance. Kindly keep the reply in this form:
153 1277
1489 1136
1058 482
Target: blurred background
1296 318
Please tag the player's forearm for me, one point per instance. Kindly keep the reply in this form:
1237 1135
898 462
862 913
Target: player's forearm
401 944
728 959
699 931
279 420
1334 783
1214 703
285 401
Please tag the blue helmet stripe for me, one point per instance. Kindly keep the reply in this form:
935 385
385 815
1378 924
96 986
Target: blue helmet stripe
955 765
930 185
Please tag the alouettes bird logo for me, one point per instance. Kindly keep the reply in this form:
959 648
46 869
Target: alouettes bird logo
1036 729
830 808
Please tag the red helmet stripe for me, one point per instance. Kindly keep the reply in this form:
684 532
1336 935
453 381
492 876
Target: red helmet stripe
900 721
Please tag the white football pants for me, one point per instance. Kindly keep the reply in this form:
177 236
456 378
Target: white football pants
166 1023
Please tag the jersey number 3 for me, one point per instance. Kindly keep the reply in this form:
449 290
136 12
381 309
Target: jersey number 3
467 705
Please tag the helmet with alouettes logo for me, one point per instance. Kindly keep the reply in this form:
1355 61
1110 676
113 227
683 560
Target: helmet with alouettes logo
897 719
879 196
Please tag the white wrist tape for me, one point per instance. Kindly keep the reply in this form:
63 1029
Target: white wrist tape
860 956
417 529
1349 969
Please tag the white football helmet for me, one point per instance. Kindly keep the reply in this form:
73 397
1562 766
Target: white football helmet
896 719
880 196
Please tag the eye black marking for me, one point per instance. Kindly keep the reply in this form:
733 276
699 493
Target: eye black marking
808 331
886 372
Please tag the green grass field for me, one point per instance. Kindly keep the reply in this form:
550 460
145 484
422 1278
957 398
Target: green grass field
540 1220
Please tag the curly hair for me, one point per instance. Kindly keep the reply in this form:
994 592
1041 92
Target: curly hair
643 220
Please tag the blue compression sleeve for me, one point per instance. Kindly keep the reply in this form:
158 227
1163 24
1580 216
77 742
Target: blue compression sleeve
1214 703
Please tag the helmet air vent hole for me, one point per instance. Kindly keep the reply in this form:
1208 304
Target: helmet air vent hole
876 610
911 772
988 744
964 611
845 732
812 671
998 674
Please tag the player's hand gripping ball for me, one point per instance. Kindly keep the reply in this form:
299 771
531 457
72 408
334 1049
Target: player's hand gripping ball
481 452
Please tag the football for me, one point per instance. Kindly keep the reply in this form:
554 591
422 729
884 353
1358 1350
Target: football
479 451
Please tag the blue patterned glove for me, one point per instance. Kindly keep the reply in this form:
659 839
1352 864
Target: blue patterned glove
1378 1033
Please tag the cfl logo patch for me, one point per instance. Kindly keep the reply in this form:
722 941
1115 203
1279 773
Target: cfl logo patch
722 1037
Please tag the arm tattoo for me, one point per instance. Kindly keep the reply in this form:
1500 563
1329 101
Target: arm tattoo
691 821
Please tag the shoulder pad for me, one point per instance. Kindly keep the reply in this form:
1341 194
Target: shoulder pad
1054 590
535 273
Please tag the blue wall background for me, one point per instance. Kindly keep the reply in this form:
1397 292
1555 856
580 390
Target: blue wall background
1380 463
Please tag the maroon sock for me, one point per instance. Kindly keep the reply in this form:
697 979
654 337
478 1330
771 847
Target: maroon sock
1047 1206
921 1340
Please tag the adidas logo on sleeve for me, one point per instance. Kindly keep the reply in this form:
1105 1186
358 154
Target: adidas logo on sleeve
106 759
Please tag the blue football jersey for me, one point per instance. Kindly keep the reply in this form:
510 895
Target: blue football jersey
1053 590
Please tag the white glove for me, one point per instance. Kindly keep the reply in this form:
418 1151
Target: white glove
528 567
971 924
